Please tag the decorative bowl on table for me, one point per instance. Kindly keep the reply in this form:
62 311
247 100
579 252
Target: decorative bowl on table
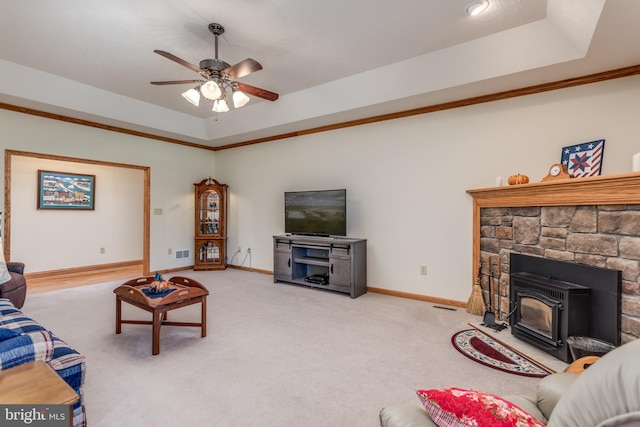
157 287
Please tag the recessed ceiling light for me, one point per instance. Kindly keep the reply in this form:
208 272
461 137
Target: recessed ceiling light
477 7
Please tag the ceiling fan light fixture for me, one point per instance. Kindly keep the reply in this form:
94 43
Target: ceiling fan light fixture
477 7
240 99
219 79
220 106
210 90
193 96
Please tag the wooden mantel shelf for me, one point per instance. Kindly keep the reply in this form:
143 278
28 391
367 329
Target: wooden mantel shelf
597 190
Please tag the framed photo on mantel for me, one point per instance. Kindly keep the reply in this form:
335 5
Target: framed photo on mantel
584 159
61 190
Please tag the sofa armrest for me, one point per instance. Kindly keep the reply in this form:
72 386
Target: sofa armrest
16 267
551 388
24 348
407 414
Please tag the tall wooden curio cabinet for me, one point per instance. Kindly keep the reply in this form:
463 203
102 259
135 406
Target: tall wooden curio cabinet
211 225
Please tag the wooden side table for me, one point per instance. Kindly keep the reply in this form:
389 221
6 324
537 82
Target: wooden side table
35 383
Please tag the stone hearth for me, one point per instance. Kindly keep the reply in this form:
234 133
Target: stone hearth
592 221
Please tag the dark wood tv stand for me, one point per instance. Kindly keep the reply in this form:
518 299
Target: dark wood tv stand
334 263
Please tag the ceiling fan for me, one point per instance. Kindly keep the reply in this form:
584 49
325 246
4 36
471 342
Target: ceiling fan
219 78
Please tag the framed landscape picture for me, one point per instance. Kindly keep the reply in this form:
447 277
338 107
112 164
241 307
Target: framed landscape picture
584 159
60 190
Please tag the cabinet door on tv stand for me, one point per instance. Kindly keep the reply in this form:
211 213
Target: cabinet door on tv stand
340 271
282 265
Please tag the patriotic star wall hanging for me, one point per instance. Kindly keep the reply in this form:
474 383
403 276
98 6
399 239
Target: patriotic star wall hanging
583 159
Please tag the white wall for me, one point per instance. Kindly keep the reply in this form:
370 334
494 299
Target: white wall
406 179
115 224
174 169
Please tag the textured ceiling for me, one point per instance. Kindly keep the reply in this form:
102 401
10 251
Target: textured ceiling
329 61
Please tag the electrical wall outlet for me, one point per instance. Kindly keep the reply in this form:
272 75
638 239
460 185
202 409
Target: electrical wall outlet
103 250
423 270
169 251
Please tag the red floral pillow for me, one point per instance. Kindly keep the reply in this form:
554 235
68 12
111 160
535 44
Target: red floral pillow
456 407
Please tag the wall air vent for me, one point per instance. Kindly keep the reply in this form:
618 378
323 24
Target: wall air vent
183 254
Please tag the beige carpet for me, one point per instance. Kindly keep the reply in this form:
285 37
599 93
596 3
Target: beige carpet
275 355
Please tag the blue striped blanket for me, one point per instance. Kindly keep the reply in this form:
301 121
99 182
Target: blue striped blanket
24 340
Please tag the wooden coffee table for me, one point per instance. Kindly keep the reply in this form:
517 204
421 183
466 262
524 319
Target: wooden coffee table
187 292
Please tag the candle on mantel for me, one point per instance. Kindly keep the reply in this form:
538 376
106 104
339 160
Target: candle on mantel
636 162
499 180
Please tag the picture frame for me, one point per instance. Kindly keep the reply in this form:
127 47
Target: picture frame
583 160
62 190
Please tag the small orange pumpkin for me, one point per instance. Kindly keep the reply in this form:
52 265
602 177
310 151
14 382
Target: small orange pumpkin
518 179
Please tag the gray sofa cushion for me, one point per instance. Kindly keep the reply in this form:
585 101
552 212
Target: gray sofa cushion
407 414
608 389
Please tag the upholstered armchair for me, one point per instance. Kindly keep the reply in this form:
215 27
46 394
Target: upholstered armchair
15 290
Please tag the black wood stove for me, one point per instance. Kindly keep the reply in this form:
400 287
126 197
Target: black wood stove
551 300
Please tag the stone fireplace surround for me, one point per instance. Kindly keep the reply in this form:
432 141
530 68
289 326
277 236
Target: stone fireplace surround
593 221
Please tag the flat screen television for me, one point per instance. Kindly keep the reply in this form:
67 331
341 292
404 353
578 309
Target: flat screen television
316 213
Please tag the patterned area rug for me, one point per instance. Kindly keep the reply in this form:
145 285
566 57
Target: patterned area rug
483 349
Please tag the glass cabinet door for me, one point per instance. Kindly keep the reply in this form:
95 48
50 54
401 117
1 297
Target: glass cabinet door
210 213
209 253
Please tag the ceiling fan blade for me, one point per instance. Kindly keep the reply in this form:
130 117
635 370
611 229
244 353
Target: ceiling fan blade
242 69
176 82
180 61
256 91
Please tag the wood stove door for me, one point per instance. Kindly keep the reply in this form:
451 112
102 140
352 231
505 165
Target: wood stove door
537 315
